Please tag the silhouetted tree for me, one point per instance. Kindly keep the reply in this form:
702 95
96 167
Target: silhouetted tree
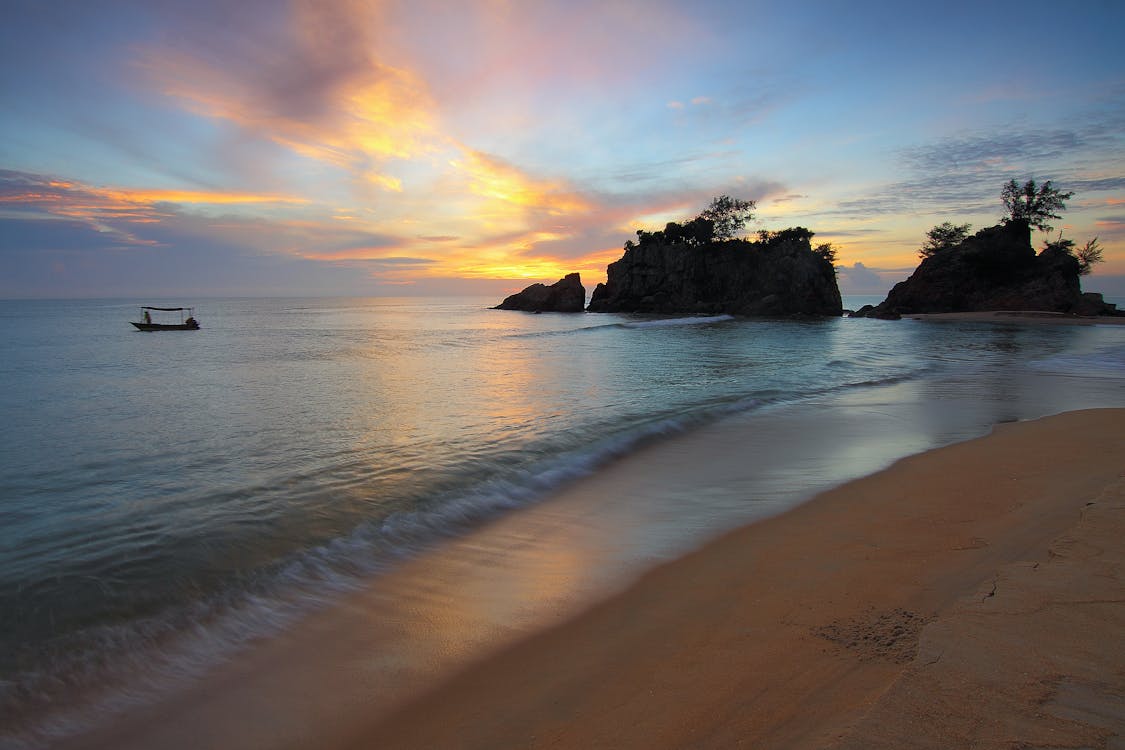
828 252
795 234
943 237
1033 205
728 216
645 238
1087 255
1060 243
697 232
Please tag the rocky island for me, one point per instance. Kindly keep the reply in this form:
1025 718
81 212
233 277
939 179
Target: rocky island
703 267
565 295
995 269
666 272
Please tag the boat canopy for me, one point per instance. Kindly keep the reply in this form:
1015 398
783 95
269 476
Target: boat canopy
165 309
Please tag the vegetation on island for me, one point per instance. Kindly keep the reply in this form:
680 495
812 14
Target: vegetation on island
943 237
1087 255
728 216
724 221
1033 204
710 264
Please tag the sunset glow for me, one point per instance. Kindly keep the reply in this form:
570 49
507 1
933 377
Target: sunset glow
370 148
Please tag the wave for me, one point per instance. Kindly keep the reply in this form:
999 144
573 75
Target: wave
1107 362
618 325
668 322
628 324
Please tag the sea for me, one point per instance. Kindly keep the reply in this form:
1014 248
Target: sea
169 500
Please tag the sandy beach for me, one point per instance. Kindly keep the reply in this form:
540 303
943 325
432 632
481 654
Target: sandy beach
967 596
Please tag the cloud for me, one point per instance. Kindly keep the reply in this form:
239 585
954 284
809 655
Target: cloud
310 81
1097 185
549 226
861 279
962 175
1110 227
868 232
122 214
493 178
325 80
788 198
990 151
741 105
33 235
375 257
44 218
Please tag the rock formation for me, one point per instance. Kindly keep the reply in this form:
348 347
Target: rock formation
779 276
565 295
995 269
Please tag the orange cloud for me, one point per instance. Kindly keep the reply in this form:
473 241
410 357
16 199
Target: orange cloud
521 257
191 196
362 253
74 200
315 87
112 210
316 90
491 177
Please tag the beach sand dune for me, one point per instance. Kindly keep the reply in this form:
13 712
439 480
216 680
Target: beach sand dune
968 596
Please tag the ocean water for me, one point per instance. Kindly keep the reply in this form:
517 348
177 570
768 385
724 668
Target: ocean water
167 499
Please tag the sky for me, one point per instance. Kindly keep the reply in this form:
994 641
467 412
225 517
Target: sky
192 148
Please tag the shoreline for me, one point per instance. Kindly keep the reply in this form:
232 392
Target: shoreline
1024 316
367 664
815 627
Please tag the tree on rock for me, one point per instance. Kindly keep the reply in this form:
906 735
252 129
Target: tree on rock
729 216
1087 255
1032 204
828 251
943 237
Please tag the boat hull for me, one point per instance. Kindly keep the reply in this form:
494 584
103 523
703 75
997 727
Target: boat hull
166 327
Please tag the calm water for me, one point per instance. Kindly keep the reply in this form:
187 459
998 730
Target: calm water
216 485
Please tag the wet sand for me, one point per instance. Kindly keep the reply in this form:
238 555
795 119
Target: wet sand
967 596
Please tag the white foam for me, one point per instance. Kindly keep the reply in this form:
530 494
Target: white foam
667 322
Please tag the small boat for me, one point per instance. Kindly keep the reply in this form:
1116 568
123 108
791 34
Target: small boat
185 324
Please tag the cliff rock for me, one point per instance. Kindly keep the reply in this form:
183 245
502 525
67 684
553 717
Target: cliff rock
995 269
779 277
565 295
